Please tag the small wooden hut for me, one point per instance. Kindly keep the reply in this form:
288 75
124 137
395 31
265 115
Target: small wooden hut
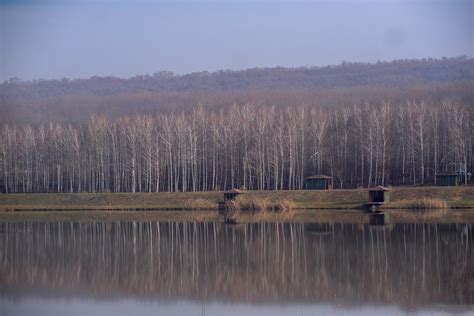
232 194
318 182
379 194
447 179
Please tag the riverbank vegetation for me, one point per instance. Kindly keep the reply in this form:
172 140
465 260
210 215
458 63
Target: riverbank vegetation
420 209
421 204
258 203
455 197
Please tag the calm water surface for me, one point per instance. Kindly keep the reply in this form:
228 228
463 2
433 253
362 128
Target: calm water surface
152 268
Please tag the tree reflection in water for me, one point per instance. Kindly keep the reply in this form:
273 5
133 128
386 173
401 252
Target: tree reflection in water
406 265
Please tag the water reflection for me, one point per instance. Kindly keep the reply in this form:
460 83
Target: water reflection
406 265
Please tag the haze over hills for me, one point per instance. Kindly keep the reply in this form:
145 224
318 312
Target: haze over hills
396 73
344 84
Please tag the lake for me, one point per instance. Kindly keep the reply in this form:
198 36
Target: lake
186 268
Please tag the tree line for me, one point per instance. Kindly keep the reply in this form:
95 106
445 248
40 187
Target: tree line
400 73
255 147
74 100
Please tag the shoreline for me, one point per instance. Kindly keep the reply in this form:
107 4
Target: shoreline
308 205
456 197
305 216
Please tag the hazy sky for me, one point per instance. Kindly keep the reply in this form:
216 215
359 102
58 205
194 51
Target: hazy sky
77 39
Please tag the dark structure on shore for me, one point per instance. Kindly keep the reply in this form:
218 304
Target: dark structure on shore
379 194
232 194
318 182
447 179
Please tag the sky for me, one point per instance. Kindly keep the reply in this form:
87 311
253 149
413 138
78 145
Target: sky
47 39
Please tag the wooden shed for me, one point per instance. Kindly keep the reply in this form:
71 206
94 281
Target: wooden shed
232 194
447 179
318 182
379 194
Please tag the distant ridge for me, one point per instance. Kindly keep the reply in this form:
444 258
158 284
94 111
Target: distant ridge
345 84
347 74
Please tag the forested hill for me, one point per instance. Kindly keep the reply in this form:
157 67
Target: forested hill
400 73
72 100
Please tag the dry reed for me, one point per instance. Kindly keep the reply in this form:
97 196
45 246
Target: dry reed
251 208
423 209
422 204
252 203
283 205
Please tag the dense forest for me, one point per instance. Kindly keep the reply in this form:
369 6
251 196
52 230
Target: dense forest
247 146
363 124
74 101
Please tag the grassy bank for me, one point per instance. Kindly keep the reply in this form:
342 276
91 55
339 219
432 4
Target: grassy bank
455 197
109 201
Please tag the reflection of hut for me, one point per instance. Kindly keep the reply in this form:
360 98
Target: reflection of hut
232 194
447 179
318 182
320 228
380 219
379 194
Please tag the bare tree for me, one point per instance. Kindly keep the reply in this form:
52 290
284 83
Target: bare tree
255 147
